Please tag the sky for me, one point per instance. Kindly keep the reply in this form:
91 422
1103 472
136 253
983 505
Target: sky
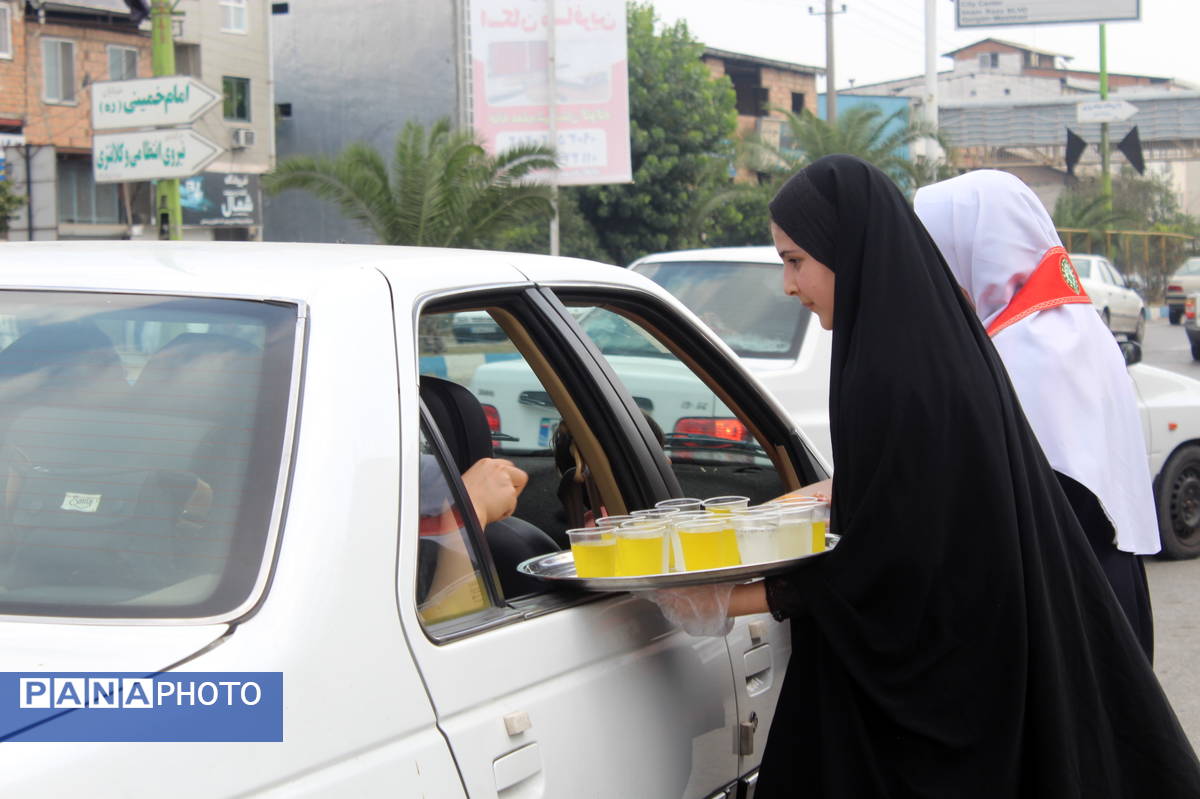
877 40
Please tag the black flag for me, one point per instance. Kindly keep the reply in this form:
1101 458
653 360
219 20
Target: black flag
1075 148
1131 148
138 10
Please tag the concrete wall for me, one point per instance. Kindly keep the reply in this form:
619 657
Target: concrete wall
356 72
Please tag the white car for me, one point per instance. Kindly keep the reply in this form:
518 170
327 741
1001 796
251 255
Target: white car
1121 308
239 463
721 286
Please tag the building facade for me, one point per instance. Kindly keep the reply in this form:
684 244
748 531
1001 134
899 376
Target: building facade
53 53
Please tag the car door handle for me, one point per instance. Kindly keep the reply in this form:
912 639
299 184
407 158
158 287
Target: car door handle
758 662
516 766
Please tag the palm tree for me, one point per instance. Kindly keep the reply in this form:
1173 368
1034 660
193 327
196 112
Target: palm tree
862 131
442 189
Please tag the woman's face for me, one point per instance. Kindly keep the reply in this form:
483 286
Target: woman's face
805 278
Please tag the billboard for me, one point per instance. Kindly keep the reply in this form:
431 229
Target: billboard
988 13
220 199
510 86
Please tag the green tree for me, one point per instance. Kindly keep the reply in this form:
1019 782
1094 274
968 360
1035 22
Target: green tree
10 201
863 131
682 123
442 189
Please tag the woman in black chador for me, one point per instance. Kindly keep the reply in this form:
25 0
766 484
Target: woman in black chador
961 640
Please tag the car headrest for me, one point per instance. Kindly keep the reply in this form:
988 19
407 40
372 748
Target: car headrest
460 419
73 360
200 374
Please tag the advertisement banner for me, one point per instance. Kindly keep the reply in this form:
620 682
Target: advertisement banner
219 199
510 47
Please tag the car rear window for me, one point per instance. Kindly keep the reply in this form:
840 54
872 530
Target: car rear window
1190 267
1083 265
141 441
743 303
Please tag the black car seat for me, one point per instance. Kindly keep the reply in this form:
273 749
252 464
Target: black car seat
463 425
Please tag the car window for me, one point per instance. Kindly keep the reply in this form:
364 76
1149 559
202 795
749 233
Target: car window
1190 267
711 448
450 582
741 302
141 441
1083 265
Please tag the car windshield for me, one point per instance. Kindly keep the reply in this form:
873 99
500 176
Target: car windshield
743 303
141 441
1190 267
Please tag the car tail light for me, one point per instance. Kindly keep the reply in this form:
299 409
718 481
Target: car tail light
1176 288
730 429
1189 308
493 418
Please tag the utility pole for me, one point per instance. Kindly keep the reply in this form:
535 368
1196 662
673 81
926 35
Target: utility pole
162 56
830 81
1105 173
552 111
931 59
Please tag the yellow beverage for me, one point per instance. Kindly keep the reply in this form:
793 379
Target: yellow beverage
818 535
595 559
709 549
639 555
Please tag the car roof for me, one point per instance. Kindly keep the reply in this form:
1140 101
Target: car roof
283 270
764 255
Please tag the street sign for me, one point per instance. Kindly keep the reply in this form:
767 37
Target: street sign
988 13
1104 111
145 102
150 155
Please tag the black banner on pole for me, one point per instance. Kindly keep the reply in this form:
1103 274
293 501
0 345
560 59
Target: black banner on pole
1075 148
1131 148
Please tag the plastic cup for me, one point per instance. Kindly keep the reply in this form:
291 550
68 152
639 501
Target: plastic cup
681 503
654 513
756 542
613 521
641 549
820 526
725 504
594 550
707 543
794 534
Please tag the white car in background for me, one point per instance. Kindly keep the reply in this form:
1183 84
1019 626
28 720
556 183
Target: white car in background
1121 308
738 292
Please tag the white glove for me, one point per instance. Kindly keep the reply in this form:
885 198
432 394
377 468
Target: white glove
700 609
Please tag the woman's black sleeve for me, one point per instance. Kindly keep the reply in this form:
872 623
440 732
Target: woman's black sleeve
787 594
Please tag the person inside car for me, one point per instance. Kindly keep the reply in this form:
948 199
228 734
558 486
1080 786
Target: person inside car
961 639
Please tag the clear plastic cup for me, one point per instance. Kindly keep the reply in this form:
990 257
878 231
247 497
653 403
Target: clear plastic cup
654 513
794 534
613 521
756 542
820 526
725 504
681 503
707 543
594 550
641 549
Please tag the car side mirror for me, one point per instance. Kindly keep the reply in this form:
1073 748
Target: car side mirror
1132 351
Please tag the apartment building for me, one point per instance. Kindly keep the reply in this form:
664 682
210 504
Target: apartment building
52 52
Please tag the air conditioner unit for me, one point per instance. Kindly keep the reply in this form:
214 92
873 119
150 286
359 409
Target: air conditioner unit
243 137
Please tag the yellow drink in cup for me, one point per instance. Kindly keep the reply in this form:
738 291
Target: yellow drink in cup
641 549
594 551
708 543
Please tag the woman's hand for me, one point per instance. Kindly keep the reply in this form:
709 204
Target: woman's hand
700 609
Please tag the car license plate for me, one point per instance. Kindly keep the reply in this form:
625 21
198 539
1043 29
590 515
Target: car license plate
546 430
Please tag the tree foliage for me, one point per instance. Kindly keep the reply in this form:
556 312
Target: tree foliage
862 130
682 123
442 189
10 202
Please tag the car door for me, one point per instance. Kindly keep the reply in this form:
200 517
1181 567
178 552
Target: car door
1125 299
547 692
749 449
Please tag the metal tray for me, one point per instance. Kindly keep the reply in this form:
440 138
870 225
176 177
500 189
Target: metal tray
559 568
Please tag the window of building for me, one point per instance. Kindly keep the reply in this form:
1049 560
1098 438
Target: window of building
233 16
284 110
81 199
279 8
797 102
187 59
122 62
237 98
58 67
989 60
6 49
